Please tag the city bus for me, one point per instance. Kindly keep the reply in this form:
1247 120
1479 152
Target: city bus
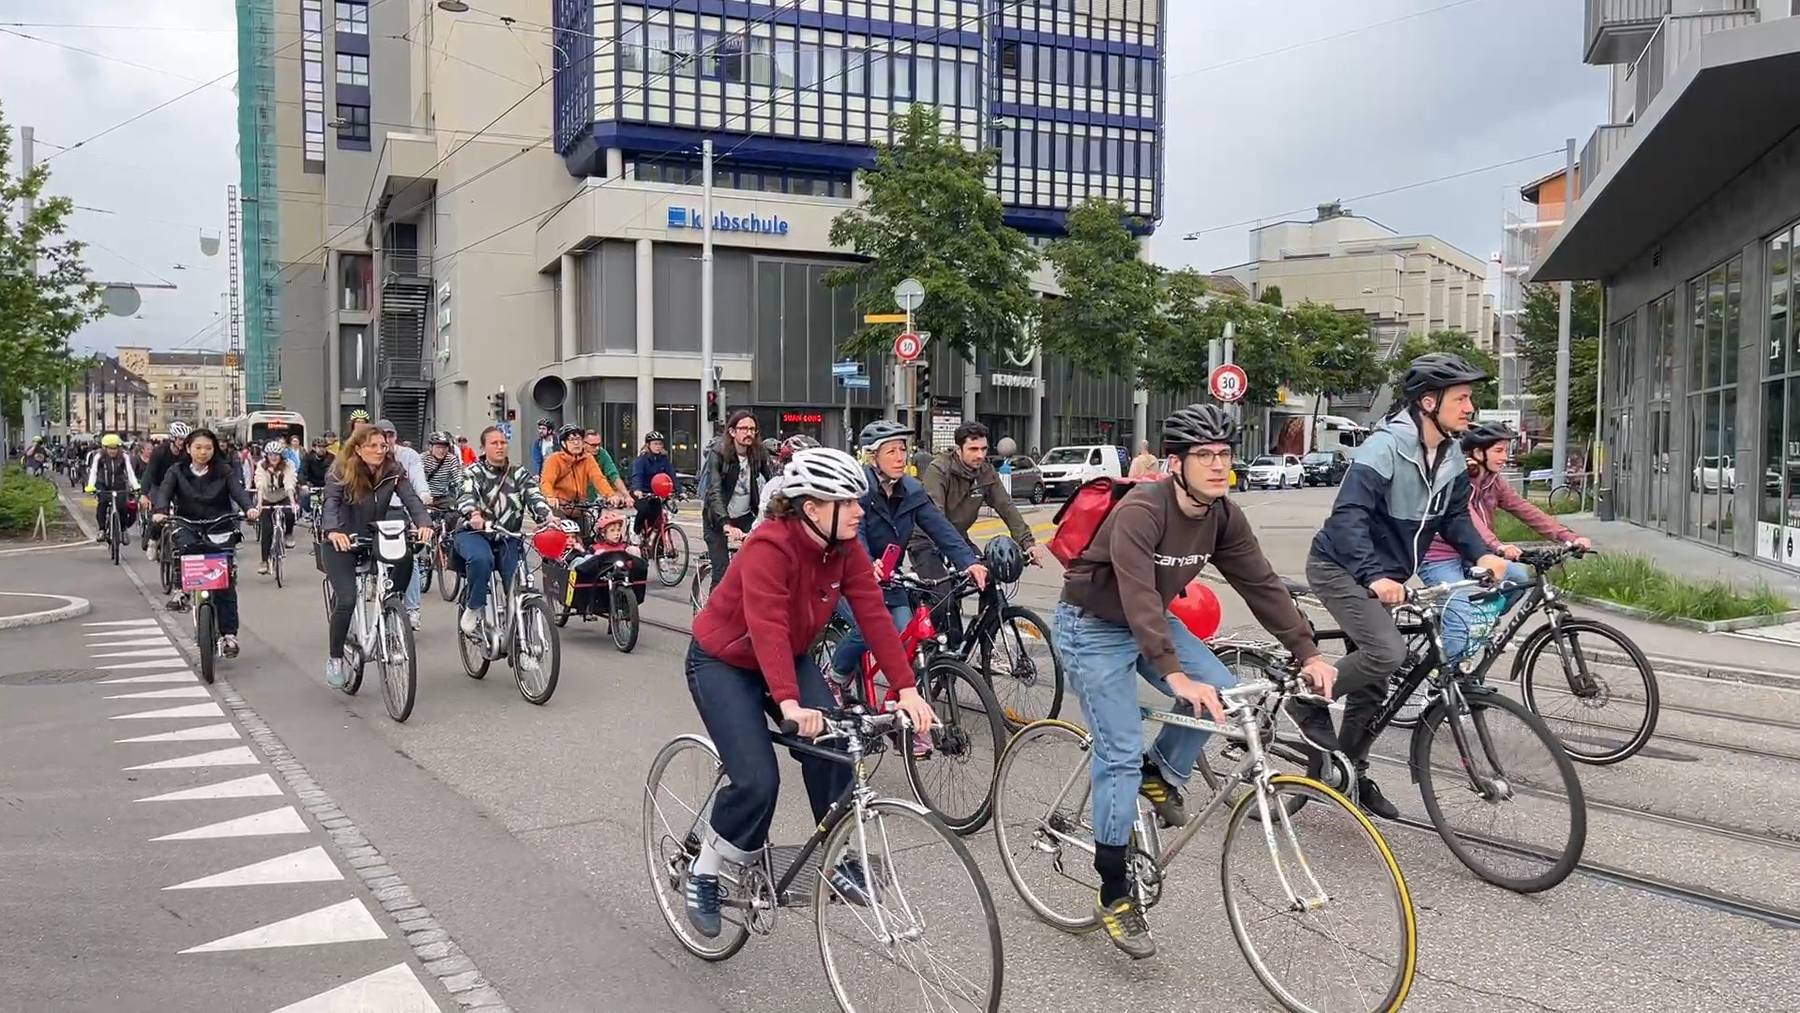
259 427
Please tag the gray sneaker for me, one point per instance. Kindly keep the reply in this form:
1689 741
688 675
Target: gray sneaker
412 619
337 673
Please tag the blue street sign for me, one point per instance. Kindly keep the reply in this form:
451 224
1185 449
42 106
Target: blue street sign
845 368
859 381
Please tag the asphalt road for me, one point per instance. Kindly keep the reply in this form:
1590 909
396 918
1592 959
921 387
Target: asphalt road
519 828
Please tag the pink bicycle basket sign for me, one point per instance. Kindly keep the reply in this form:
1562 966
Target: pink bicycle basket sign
205 573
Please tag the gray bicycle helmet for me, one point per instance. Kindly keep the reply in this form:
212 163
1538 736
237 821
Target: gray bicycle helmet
1197 424
654 437
880 431
1005 560
1434 371
441 436
563 434
1483 435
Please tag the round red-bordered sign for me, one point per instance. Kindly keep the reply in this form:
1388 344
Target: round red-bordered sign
1228 382
908 346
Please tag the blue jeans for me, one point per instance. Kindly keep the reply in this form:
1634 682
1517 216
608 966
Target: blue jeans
1105 666
478 556
1459 611
410 598
847 659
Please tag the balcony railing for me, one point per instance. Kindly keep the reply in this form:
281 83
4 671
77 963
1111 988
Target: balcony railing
406 264
405 370
1614 30
1598 151
1675 39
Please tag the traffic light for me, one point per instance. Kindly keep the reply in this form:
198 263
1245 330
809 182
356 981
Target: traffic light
712 406
924 369
497 405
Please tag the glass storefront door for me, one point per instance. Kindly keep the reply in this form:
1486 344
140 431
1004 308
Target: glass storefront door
1712 402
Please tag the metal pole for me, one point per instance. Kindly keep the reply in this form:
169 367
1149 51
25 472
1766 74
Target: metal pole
27 159
1559 453
706 285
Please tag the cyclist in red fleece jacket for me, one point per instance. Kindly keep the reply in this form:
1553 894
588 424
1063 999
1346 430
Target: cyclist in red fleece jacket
751 644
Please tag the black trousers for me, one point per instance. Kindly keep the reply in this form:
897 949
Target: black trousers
718 548
265 525
731 702
340 570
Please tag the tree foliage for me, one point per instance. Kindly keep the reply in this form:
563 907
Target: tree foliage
1537 350
45 292
1111 307
1487 395
1263 343
930 215
1343 355
1271 296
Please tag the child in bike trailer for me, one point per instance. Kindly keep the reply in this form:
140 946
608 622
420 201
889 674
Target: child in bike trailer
1485 445
751 647
1114 627
611 545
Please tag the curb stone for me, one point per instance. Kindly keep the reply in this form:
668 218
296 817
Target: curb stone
72 607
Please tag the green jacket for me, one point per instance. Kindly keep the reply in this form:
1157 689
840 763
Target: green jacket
961 492
607 468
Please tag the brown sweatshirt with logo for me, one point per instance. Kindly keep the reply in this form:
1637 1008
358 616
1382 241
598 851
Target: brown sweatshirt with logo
1147 551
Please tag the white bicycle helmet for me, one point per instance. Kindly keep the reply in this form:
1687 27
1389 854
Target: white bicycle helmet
178 430
274 447
823 473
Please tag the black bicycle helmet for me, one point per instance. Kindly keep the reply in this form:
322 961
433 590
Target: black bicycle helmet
1483 435
1434 371
654 437
1197 424
563 434
880 431
441 436
545 424
1005 560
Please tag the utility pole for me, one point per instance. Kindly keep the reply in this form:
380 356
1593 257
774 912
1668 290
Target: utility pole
27 159
1565 291
706 293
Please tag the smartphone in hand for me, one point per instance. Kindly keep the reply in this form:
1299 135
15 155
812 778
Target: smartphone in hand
890 558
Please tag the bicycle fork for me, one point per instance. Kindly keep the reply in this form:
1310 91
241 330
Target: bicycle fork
1494 787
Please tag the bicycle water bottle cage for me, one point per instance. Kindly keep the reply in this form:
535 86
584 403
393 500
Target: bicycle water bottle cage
390 541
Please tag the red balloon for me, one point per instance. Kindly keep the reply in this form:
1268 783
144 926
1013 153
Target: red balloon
550 542
662 485
1198 609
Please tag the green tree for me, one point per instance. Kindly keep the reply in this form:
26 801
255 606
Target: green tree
1343 355
1537 352
929 215
1271 296
1487 395
45 293
1110 309
1262 343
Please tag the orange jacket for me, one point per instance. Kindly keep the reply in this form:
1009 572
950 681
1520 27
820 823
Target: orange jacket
566 477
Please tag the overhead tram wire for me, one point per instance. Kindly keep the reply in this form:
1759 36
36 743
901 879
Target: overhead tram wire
1235 61
96 54
555 209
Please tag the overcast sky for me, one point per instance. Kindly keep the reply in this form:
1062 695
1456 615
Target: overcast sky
1252 133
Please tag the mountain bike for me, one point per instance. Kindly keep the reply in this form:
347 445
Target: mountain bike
926 927
205 569
952 777
516 624
1313 895
378 626
1498 787
1011 646
665 545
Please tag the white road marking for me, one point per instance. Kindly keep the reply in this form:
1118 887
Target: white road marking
165 651
254 786
98 638
345 922
232 756
163 663
198 710
178 693
200 733
182 676
395 990
141 641
123 622
275 822
310 865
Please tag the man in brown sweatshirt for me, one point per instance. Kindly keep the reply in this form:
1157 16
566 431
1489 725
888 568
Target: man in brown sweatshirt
1113 626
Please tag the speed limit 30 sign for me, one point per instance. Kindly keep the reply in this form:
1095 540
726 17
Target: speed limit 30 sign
1228 382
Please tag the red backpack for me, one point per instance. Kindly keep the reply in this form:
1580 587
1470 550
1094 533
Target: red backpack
1079 519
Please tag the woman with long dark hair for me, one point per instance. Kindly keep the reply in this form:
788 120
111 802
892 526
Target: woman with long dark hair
358 492
204 487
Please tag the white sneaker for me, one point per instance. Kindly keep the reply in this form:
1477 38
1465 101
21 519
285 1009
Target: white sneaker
412 617
470 623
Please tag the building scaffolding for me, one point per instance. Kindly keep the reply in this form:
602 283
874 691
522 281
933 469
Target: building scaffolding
259 207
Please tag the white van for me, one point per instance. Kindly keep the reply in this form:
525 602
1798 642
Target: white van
1065 468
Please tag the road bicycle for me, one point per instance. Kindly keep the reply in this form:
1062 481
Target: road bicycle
665 544
924 934
202 571
113 522
1313 895
952 777
1498 787
379 630
516 624
278 537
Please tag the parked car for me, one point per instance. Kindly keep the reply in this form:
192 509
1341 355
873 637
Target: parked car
1276 471
1027 480
1064 469
1711 472
1325 467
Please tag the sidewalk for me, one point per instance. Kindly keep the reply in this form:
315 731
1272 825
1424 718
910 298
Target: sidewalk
1689 559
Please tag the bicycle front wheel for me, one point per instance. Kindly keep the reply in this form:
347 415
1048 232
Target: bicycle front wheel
399 664
672 556
206 637
275 558
923 923
1500 790
1043 823
701 589
954 778
1316 901
1022 664
1592 686
449 582
624 619
537 655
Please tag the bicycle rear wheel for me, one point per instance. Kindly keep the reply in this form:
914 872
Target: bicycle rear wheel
956 780
701 589
1500 790
1024 667
928 927
1602 711
1043 823
678 796
672 556
399 664
1316 901
536 654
